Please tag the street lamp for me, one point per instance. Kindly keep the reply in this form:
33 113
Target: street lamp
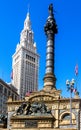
70 87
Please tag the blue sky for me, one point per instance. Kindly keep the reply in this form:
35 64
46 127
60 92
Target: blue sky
67 41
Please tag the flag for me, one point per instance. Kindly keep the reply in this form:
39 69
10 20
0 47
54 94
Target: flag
76 69
74 90
11 75
28 94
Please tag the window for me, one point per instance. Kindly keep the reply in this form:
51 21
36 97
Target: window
8 93
15 97
66 116
12 96
1 88
30 58
5 91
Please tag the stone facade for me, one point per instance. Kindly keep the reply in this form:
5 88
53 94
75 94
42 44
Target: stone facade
59 107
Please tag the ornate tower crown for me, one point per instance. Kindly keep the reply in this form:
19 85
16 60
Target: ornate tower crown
27 35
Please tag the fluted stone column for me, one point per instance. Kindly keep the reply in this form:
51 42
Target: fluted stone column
50 29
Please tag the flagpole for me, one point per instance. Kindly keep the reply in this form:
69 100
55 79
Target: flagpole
76 81
76 74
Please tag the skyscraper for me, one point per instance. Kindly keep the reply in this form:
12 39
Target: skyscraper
26 61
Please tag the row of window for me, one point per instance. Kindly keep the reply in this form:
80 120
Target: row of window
30 58
4 95
6 92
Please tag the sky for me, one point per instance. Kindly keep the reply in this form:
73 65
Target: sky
67 41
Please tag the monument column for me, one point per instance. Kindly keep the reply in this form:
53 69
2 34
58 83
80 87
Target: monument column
50 29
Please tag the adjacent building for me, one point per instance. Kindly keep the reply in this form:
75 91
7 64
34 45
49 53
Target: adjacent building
26 61
6 90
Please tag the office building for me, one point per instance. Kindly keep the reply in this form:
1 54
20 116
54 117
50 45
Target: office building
26 61
6 90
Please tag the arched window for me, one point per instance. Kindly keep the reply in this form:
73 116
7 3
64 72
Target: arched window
66 116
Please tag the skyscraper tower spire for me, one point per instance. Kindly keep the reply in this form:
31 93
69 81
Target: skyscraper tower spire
26 61
27 23
50 29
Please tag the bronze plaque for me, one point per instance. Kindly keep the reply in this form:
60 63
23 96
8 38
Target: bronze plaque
31 124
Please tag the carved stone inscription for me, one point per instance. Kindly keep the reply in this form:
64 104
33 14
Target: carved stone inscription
31 124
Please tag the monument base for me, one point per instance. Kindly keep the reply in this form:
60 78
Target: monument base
30 122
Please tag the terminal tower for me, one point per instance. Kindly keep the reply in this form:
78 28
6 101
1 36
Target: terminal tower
25 63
